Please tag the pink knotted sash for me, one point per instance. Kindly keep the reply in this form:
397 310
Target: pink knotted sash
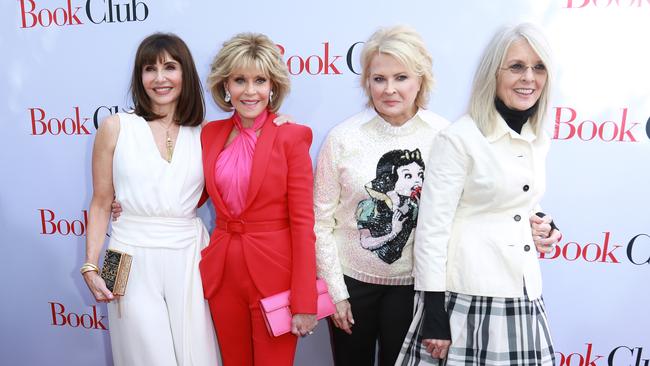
233 167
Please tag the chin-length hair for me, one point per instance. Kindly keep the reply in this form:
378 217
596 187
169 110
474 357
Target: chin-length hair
246 50
406 46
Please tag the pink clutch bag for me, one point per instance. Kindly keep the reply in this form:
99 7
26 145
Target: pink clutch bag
277 314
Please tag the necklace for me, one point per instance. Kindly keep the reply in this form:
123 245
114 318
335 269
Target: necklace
169 144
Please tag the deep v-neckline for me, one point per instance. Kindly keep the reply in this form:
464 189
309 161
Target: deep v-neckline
155 146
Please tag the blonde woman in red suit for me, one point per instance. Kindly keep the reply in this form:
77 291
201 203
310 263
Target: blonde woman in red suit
259 177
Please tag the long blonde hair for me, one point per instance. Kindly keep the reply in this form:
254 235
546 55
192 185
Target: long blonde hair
484 90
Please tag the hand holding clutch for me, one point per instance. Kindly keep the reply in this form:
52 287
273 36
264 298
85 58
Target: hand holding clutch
278 317
115 271
97 287
303 324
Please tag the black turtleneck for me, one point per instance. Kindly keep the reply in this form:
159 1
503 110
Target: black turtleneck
514 118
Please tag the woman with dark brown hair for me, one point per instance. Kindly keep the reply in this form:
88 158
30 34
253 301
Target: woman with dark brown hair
150 161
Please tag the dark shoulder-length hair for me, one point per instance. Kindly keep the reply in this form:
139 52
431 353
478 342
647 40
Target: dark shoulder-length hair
190 110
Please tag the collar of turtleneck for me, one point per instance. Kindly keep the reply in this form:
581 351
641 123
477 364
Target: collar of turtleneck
514 118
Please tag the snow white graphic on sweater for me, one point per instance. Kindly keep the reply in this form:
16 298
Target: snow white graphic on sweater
386 219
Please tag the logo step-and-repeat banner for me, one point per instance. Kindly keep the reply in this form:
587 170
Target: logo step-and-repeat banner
67 66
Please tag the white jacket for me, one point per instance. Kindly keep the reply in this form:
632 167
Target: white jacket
473 234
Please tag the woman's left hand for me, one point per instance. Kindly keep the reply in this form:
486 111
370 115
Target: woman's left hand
437 348
282 119
546 245
540 226
303 324
116 210
544 236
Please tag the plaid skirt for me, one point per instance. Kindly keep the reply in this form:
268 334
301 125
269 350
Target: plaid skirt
485 331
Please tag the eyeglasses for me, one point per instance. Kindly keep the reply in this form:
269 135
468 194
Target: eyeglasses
518 69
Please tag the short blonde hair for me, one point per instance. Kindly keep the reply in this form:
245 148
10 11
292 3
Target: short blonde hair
249 50
484 90
405 45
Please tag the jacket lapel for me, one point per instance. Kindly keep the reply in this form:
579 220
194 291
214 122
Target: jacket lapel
261 158
214 149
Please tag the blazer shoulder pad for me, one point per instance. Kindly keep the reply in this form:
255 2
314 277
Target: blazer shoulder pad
213 126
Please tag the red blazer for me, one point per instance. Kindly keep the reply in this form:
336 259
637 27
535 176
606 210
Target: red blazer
280 191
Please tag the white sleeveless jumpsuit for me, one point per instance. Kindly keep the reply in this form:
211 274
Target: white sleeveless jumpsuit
163 318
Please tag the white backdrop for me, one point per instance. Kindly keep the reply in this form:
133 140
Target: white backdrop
67 63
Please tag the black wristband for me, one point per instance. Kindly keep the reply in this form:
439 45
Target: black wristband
552 223
436 321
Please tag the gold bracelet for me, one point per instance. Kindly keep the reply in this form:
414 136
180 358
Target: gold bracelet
87 267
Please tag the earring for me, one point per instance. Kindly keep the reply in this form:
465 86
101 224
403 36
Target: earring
227 97
271 97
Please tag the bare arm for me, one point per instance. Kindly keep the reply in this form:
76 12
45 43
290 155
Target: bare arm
100 205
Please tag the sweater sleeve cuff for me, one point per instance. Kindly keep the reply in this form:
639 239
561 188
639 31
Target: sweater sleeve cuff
436 320
338 291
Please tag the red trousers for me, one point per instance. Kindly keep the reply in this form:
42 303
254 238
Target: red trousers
238 320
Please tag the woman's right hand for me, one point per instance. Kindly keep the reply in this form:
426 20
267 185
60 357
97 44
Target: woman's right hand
98 287
342 318
116 210
282 119
437 348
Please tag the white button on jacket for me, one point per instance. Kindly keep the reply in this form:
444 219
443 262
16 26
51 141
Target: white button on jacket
473 234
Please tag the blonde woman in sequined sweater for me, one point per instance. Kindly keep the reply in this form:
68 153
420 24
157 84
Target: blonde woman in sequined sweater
367 199
367 191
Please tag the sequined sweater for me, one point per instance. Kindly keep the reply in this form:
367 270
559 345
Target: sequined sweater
366 197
